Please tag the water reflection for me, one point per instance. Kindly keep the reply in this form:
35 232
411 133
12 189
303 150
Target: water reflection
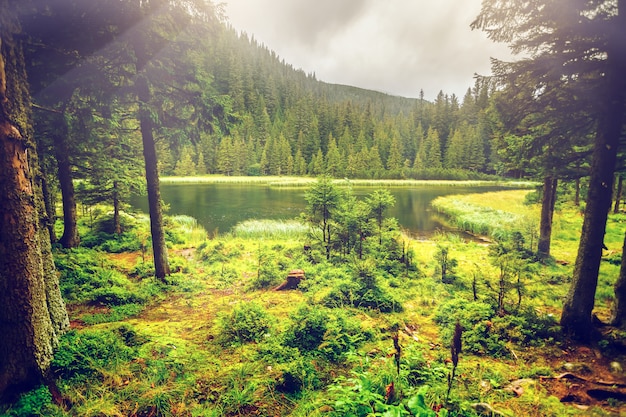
221 206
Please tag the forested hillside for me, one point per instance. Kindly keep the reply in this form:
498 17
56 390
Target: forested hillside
224 103
279 120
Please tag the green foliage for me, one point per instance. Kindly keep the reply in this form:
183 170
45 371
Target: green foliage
101 234
248 322
362 290
527 327
445 264
92 353
116 313
270 229
307 328
34 403
475 319
85 276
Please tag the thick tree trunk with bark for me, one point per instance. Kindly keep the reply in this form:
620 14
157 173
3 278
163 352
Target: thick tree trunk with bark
159 249
618 312
70 237
547 214
576 317
50 210
32 313
116 210
618 193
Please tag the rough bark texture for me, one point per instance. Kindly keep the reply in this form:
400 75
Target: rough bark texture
618 312
618 194
50 209
28 284
159 249
547 214
70 238
576 317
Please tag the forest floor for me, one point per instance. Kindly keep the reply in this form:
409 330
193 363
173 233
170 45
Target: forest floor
585 378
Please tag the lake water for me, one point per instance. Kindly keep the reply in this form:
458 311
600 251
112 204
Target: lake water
222 206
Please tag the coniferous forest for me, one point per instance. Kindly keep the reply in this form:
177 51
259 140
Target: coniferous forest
514 306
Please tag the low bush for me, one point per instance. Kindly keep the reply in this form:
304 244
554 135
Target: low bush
248 322
37 402
476 320
307 327
90 353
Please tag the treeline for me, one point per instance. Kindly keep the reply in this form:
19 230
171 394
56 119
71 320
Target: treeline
282 121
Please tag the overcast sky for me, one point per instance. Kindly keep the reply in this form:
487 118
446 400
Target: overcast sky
394 46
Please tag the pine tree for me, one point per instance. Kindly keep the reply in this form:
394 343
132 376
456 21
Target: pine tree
334 161
432 150
185 166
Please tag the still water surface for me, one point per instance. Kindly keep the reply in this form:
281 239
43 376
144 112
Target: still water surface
222 206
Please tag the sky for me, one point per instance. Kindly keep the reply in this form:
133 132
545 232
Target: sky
393 46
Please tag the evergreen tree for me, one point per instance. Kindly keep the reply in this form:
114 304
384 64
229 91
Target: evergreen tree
432 150
185 167
334 161
584 77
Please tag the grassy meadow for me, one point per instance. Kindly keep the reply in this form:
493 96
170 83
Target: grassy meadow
359 337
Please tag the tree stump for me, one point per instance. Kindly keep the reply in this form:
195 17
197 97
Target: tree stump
293 280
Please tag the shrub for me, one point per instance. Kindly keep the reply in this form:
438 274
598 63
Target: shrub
248 322
296 375
307 328
476 320
86 354
37 402
527 327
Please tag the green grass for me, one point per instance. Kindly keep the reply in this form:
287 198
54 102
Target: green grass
496 214
276 181
173 360
270 229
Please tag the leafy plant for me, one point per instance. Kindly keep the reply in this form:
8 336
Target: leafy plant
89 353
34 403
248 322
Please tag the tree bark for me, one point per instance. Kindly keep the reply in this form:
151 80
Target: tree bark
70 238
116 210
28 327
50 209
159 249
618 193
547 214
618 312
576 317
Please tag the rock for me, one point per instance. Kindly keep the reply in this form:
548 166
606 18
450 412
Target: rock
485 386
484 409
579 368
616 368
517 387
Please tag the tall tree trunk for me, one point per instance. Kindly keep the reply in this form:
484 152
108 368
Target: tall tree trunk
159 249
70 237
618 193
618 312
576 316
50 209
27 280
116 210
547 214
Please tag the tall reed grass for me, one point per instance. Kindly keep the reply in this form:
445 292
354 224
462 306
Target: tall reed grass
276 181
270 229
495 214
189 228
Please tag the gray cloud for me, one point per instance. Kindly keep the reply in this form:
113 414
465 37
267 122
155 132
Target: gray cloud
396 46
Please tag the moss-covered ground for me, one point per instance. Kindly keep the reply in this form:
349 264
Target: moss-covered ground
215 339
